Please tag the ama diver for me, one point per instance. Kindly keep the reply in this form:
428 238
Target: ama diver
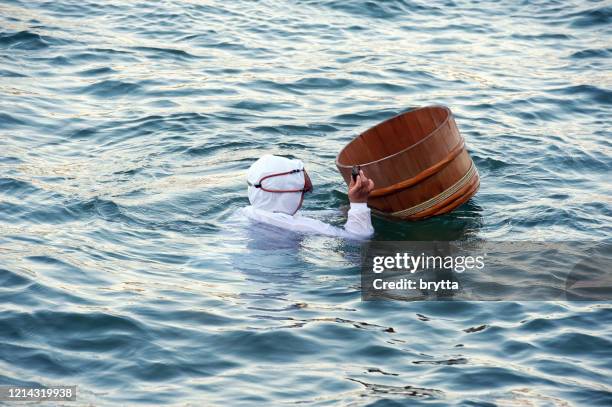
276 188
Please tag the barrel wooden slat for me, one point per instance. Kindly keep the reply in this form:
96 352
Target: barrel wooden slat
427 124
404 167
414 128
383 134
435 117
362 150
392 141
398 168
414 146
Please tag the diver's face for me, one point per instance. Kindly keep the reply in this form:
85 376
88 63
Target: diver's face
307 188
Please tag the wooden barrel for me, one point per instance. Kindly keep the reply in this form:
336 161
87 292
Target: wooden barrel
418 162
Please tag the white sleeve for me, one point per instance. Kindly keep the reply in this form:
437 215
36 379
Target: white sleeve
359 220
358 224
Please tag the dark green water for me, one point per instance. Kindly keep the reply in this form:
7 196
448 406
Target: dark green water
126 129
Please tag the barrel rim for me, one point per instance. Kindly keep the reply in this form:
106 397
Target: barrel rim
434 131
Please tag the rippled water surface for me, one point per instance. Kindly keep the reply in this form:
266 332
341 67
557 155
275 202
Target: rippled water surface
125 132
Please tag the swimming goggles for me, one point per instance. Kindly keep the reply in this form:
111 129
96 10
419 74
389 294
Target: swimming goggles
307 188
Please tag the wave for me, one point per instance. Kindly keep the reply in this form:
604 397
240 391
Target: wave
24 40
592 53
164 53
111 88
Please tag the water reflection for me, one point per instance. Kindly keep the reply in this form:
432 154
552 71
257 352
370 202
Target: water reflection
463 224
270 254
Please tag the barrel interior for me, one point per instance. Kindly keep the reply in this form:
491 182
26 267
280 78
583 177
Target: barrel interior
393 136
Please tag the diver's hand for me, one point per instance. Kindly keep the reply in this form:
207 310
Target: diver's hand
360 189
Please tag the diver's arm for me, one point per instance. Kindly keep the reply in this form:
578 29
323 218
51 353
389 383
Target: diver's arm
359 220
356 227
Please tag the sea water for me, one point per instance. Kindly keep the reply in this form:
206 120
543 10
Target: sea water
126 129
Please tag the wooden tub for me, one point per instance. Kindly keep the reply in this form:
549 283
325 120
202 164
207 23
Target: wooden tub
418 162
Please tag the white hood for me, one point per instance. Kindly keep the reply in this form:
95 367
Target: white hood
284 202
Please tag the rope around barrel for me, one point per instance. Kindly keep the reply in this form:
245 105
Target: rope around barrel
440 197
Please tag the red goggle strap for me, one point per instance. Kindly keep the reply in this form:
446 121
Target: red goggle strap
258 185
